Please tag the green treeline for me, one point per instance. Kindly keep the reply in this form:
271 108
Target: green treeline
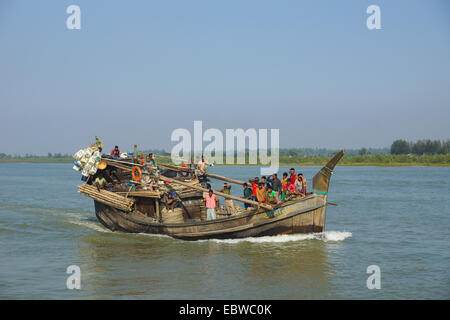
420 147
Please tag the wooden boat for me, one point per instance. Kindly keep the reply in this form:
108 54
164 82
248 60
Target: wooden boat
147 215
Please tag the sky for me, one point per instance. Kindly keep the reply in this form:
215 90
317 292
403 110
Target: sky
138 70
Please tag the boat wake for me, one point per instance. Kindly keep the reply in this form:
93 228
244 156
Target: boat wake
326 236
91 225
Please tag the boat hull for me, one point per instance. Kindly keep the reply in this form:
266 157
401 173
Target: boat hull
302 216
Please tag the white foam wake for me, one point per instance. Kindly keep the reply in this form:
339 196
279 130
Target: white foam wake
322 236
91 225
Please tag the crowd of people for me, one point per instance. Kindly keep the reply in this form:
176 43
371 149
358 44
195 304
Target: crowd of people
268 190
271 189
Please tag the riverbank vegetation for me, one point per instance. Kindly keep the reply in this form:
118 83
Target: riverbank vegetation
401 153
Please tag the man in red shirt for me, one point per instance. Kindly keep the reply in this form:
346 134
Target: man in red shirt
115 152
293 176
255 183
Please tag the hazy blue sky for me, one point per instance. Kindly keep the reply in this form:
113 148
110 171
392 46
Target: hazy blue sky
137 70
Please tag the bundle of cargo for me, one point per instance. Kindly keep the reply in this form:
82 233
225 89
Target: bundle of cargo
107 197
172 216
88 159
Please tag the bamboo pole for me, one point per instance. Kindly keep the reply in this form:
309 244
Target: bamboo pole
107 197
216 176
157 209
228 196
175 168
211 175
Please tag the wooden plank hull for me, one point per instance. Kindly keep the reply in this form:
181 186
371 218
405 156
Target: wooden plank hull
301 216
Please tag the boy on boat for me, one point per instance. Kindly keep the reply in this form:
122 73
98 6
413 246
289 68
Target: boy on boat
255 183
261 194
272 196
285 177
247 195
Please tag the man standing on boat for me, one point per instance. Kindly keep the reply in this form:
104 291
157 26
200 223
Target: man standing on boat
255 183
229 204
293 176
247 195
202 166
211 203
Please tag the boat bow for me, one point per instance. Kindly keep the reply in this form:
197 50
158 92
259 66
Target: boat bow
321 180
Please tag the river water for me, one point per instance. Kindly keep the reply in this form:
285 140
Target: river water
394 217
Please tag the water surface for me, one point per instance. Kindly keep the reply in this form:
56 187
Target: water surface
396 218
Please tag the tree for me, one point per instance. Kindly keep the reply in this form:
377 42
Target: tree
362 151
400 147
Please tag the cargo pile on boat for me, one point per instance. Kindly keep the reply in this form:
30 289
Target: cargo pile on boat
107 197
88 159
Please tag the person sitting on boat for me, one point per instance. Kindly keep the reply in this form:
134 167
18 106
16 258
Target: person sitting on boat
115 153
100 181
261 194
211 203
110 173
302 182
276 184
150 160
299 186
254 183
170 202
247 195
285 188
292 189
272 196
